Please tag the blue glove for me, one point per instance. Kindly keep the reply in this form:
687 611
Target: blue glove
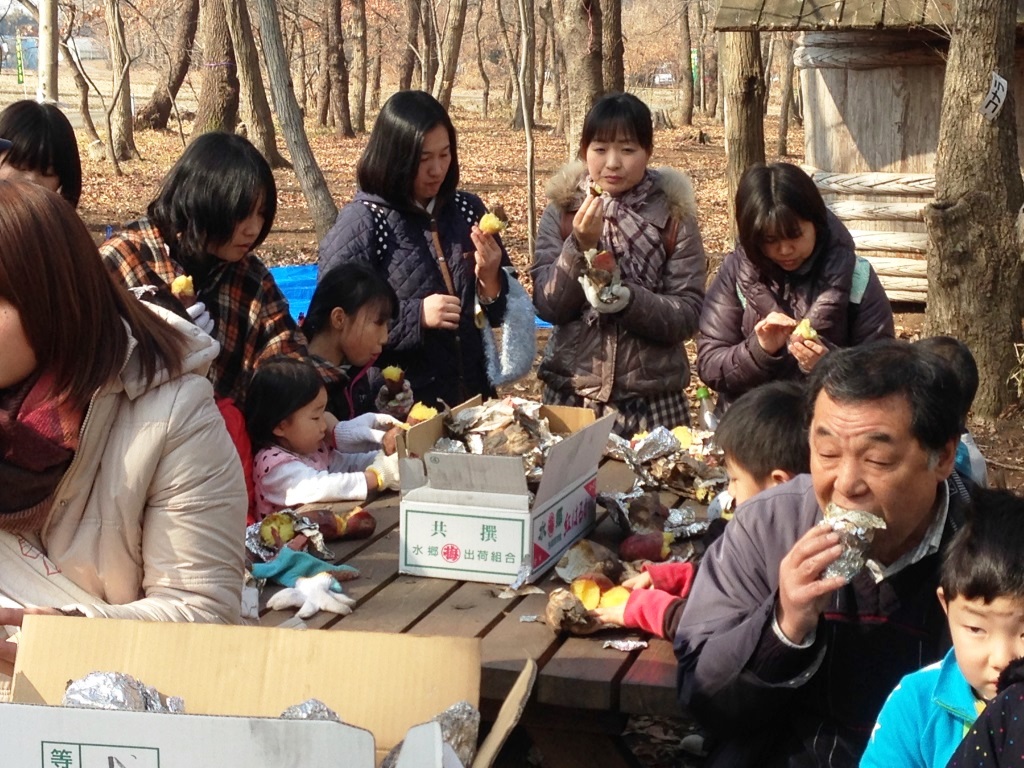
289 566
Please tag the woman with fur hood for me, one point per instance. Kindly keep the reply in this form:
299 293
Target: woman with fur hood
795 262
619 272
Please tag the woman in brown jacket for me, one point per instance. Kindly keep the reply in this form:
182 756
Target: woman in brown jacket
618 340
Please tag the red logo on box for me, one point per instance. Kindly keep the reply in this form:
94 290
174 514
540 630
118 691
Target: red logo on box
451 553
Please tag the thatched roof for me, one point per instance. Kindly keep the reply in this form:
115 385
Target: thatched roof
839 14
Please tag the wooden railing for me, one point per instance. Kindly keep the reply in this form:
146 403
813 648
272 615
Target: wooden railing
897 257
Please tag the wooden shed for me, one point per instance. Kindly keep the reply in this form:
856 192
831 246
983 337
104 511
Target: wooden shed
871 76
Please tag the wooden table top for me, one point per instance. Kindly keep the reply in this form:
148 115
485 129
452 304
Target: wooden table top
574 672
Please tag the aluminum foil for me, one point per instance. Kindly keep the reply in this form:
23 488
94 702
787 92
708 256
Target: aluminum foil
449 445
856 529
508 592
660 442
528 617
115 690
475 443
626 645
617 505
311 709
618 448
522 575
460 728
254 544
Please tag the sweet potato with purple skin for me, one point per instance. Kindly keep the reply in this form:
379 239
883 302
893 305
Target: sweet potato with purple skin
646 546
355 524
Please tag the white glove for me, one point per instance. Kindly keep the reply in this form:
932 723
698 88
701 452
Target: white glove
311 594
201 317
387 466
363 433
615 299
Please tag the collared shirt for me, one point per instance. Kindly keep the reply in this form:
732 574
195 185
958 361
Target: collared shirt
250 314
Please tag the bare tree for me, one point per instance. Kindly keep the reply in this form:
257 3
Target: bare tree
575 21
156 112
337 68
685 67
542 55
218 91
786 81
527 64
410 55
613 67
122 137
260 123
359 65
452 45
526 26
311 178
378 46
428 55
480 59
744 118
974 265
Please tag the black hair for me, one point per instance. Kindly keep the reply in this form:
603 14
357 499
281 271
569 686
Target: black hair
350 286
278 388
391 160
42 139
765 429
618 116
961 361
770 201
216 183
986 557
888 367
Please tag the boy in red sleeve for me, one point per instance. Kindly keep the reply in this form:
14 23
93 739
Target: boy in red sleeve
764 438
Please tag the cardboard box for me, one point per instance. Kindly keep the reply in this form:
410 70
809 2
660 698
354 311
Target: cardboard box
471 517
379 684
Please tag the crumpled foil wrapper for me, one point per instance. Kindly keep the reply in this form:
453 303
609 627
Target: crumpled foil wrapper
522 575
311 709
449 445
659 442
618 448
617 505
856 529
460 728
684 524
116 690
626 645
316 546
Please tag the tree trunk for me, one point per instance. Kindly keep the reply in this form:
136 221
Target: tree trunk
260 123
561 91
540 80
310 177
452 46
744 118
428 58
323 86
527 25
711 76
480 60
49 26
974 265
685 68
218 91
527 67
155 113
122 139
512 55
557 68
767 52
338 68
786 81
613 68
575 20
412 32
359 66
375 70
300 41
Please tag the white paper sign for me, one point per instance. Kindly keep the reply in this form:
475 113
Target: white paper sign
993 102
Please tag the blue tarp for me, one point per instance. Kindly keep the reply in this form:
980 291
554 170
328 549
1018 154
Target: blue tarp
299 281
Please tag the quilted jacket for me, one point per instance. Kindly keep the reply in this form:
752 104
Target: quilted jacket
398 241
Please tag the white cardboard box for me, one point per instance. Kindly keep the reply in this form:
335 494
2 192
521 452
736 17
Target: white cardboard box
233 680
470 517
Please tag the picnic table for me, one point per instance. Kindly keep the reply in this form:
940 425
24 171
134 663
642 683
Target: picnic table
584 692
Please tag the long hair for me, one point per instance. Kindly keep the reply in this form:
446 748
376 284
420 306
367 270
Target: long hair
42 139
71 310
216 183
389 163
770 201
350 286
278 388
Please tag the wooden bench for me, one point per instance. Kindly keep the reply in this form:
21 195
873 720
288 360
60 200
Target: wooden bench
584 692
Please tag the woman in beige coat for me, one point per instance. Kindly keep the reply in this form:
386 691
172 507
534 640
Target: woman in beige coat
123 495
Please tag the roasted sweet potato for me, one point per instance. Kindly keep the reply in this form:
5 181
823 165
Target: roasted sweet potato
589 588
566 613
354 524
613 597
646 546
389 443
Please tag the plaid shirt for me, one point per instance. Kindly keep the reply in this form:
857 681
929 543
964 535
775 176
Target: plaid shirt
250 314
